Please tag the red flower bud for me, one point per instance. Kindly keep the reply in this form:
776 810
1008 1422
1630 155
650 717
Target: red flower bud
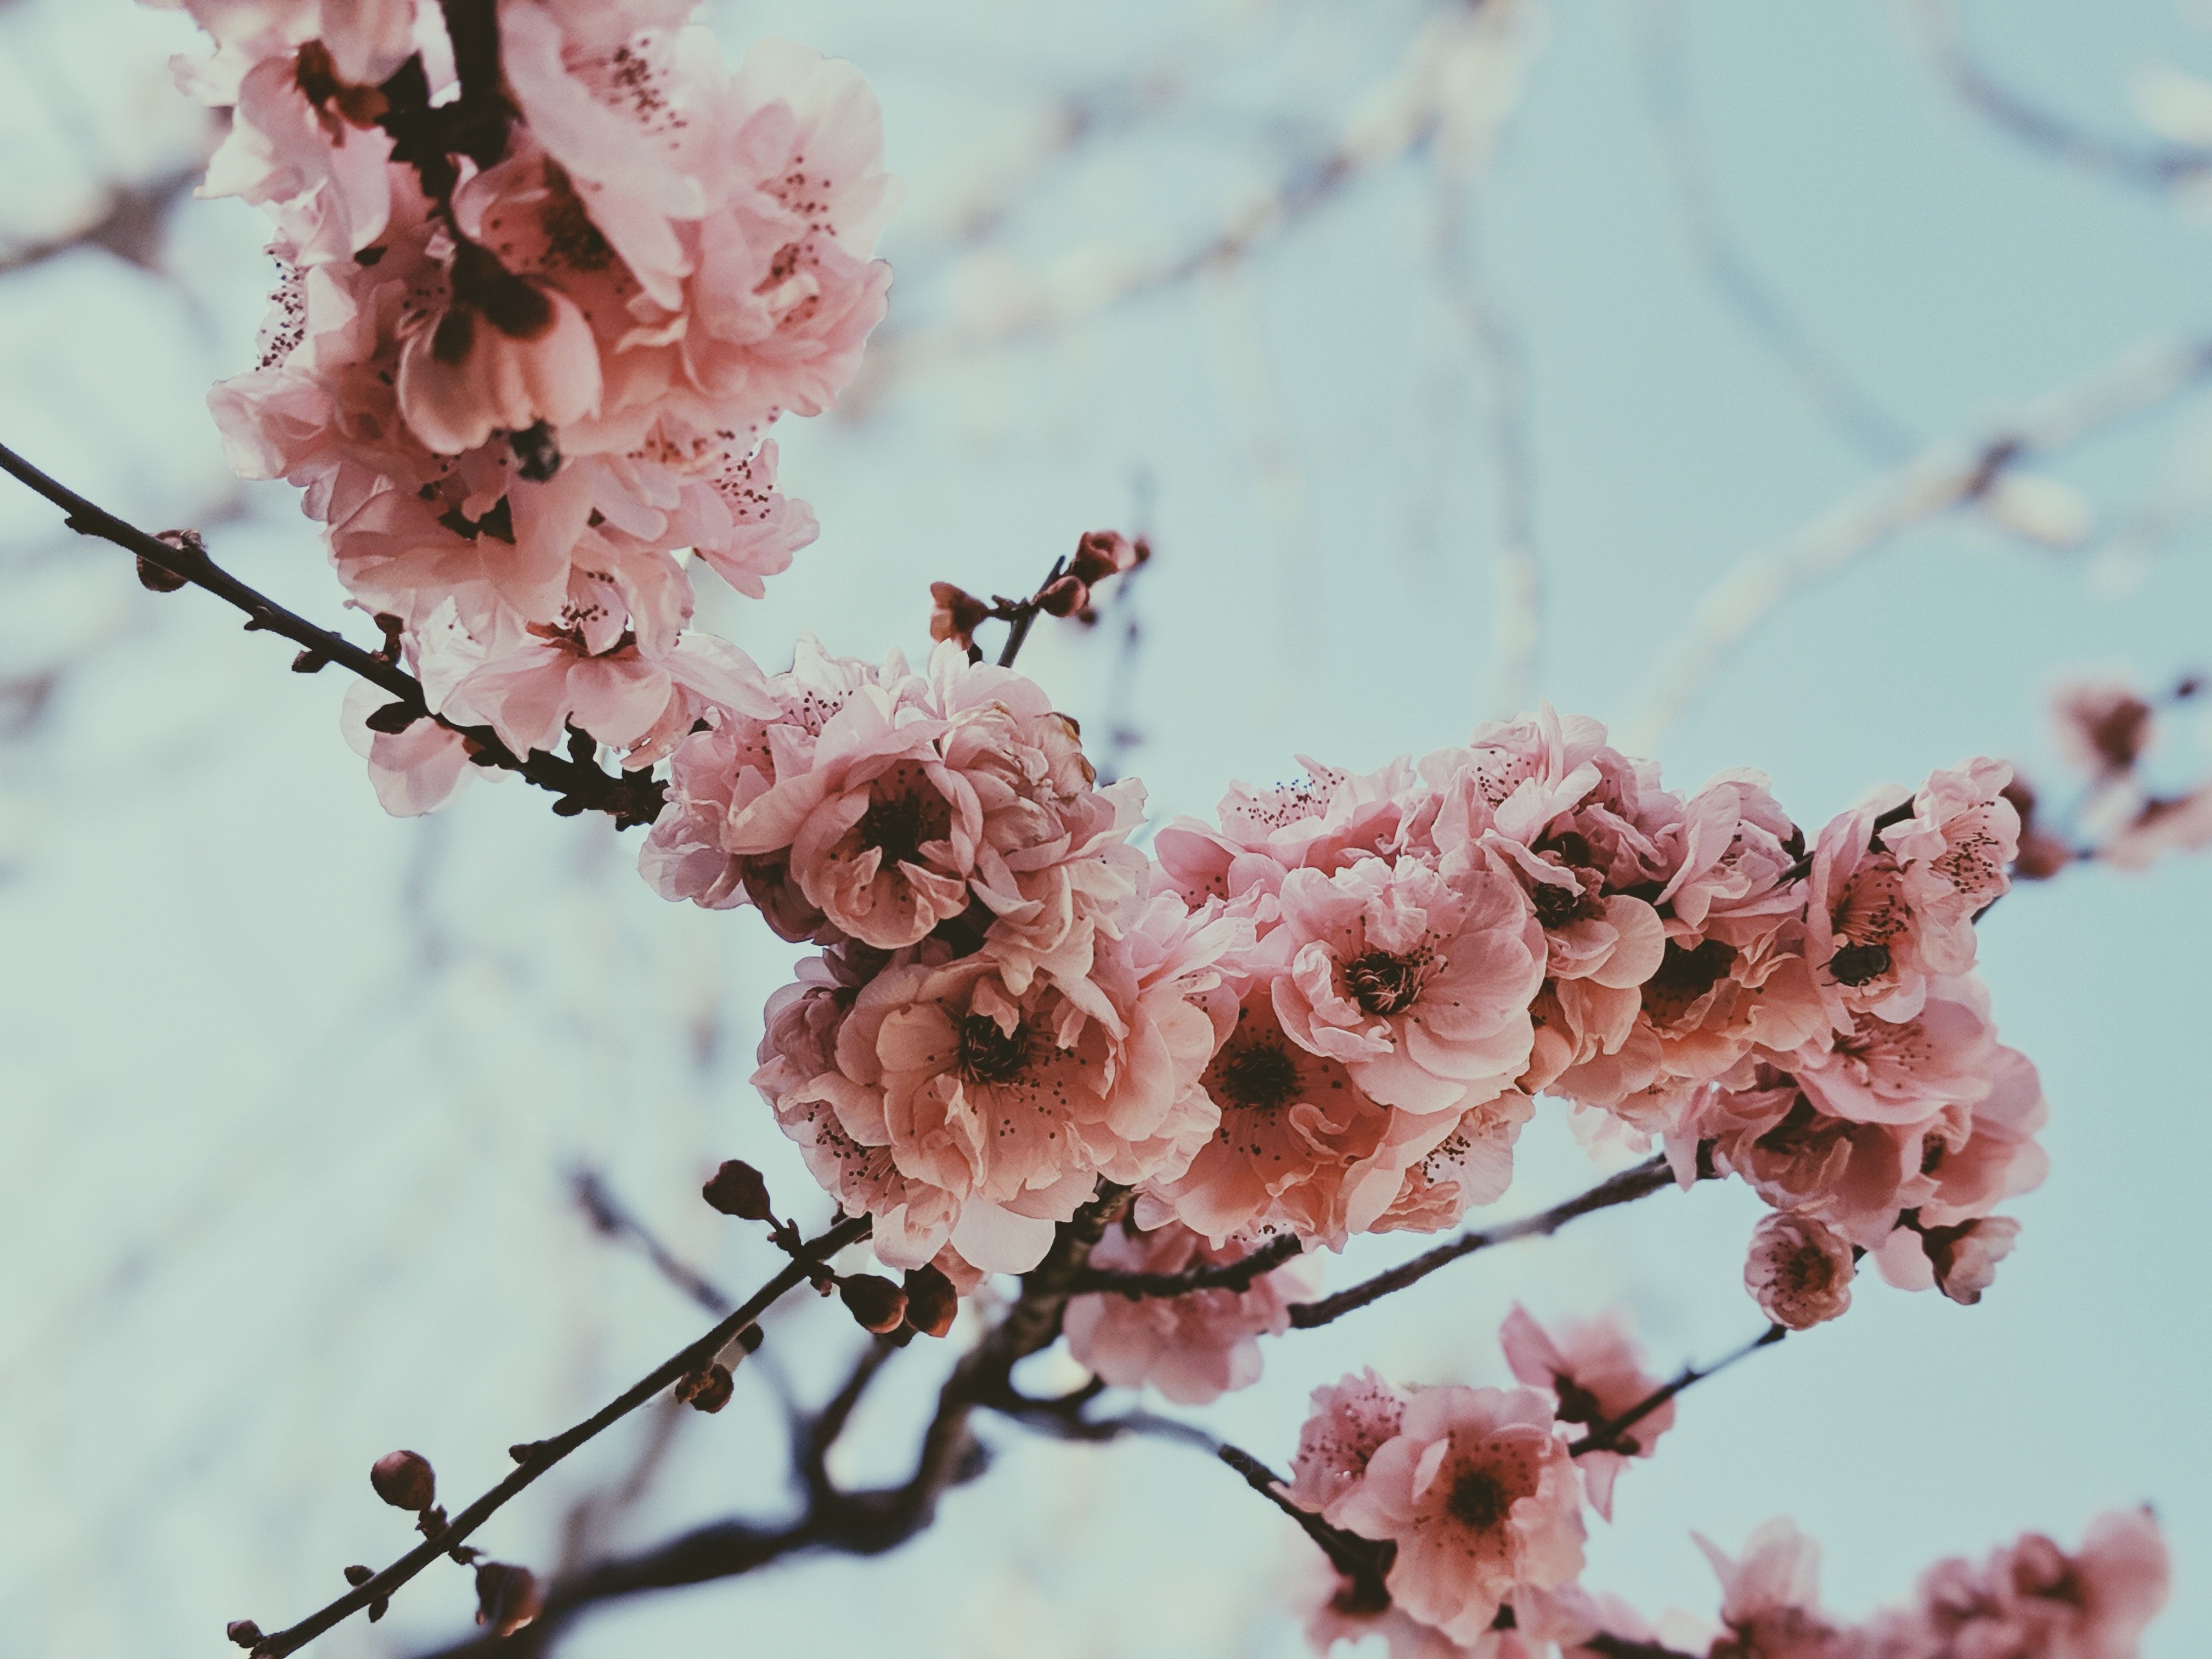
1064 597
507 1597
931 1301
878 1304
1101 554
244 1632
707 1390
359 1576
404 1480
955 614
737 1189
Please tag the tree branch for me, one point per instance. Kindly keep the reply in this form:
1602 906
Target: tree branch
1605 1436
2158 166
1624 1187
608 1215
545 1454
1237 1275
631 799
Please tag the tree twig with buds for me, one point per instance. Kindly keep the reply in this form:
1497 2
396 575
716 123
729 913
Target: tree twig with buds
1630 1184
956 614
535 1458
180 559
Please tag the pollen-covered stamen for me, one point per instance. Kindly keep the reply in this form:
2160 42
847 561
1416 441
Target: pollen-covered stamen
1477 1499
1385 983
989 1052
904 813
1258 1076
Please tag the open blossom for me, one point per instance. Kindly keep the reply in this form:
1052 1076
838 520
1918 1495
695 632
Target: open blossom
1799 1272
521 375
1904 1071
1884 920
1351 1421
1770 1598
1481 1498
1192 1348
1594 1370
1419 985
996 1113
2031 1599
2101 725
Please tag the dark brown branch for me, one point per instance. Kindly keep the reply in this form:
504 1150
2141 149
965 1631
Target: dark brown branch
613 1218
1605 1436
1609 1646
815 1438
545 1454
1237 1275
1624 1187
631 799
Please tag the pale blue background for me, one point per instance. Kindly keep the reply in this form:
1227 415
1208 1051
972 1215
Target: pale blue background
289 1088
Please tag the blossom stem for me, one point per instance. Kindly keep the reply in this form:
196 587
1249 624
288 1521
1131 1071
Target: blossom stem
1630 1184
1605 1436
1235 1275
634 797
545 1454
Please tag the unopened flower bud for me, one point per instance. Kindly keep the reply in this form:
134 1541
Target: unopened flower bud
155 580
244 1632
878 1304
404 1480
1064 597
359 1576
955 614
1101 554
507 1597
707 1390
931 1301
737 1189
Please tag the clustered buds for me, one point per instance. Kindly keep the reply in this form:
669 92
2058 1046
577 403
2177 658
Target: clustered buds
955 614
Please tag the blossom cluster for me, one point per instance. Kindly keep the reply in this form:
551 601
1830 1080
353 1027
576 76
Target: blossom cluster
1476 1497
1325 1013
549 273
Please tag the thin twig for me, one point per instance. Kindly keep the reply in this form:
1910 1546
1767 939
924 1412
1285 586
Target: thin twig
1237 1275
545 1454
1624 1187
613 1218
633 797
1943 477
2158 166
1605 1436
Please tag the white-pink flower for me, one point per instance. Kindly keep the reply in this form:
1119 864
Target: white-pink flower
1799 1271
1419 985
1195 1348
1594 1370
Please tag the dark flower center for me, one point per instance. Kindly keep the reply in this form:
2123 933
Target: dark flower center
1477 1499
989 1054
1856 964
903 812
1258 1076
1683 976
1383 983
1557 906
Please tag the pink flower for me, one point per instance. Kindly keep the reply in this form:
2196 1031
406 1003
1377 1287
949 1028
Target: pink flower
1419 986
2181 824
1769 1597
1299 1147
1799 1272
1192 1348
1881 922
1351 1421
1959 1260
1000 1111
2033 1600
1853 1177
413 771
1472 1164
1330 821
1595 1372
1480 1497
1736 848
504 354
1336 1609
2100 726
1883 1071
